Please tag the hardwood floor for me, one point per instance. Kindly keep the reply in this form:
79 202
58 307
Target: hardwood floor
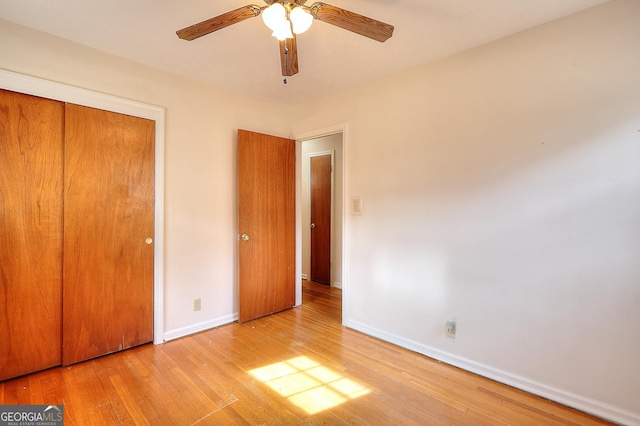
298 366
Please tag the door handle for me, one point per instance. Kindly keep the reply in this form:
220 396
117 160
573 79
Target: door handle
244 237
313 225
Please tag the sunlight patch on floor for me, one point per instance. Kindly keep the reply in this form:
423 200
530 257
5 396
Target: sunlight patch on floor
309 385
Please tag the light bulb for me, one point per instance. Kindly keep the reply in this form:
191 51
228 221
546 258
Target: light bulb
301 19
283 31
274 15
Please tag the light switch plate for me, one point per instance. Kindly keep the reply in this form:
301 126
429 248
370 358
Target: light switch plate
356 206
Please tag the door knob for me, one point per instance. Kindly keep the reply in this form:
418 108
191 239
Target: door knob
244 237
313 225
148 240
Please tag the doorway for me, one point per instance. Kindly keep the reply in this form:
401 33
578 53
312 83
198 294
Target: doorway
312 148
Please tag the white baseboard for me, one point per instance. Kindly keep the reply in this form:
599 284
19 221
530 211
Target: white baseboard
337 285
196 328
593 407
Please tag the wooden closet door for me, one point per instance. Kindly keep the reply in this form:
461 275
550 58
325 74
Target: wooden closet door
31 143
108 232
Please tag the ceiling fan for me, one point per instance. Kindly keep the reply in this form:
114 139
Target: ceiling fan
286 18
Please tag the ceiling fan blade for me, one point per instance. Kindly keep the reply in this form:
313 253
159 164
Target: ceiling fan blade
219 22
352 21
289 56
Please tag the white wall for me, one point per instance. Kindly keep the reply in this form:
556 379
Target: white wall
200 155
502 190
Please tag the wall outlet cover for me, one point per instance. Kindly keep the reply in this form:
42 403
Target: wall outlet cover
451 329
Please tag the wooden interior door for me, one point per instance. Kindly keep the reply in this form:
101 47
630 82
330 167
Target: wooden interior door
320 203
31 142
266 224
108 232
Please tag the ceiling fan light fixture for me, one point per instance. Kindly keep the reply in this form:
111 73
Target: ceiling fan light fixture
300 19
285 18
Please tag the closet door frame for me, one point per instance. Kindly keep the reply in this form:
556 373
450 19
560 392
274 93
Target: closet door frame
61 92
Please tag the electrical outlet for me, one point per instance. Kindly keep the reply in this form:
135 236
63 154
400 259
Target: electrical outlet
451 329
197 304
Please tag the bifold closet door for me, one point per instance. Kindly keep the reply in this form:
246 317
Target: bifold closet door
108 233
31 161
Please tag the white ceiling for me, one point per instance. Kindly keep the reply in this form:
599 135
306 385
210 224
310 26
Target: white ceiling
245 58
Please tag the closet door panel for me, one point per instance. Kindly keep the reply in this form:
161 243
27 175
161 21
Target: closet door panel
31 167
108 226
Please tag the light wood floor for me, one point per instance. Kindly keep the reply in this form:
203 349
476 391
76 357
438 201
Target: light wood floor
296 367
